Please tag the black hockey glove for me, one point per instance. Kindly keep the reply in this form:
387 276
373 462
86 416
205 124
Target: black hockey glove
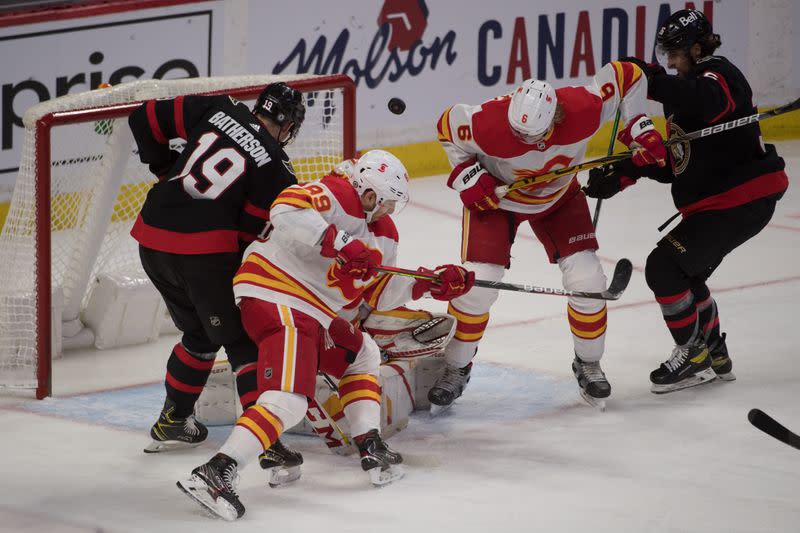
161 168
605 182
649 69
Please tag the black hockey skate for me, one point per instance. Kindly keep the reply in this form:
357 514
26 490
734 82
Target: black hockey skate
213 485
448 387
592 381
382 463
173 433
282 463
688 366
720 361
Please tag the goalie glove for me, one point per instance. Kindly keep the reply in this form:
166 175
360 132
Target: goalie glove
452 281
405 334
475 186
641 135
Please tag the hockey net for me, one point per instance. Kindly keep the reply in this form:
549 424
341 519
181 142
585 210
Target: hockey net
80 187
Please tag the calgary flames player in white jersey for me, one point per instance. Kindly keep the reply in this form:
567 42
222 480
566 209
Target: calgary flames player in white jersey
529 132
327 238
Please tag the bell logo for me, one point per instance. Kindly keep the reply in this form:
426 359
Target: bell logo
685 21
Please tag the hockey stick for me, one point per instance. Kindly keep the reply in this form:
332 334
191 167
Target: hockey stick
502 190
622 275
610 151
773 428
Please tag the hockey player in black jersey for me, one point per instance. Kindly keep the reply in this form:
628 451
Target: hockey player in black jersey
725 186
211 200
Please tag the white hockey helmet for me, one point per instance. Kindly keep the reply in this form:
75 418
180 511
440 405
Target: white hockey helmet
382 172
532 110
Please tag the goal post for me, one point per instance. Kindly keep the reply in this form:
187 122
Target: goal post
79 188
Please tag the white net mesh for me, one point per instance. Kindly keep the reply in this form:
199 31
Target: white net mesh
97 188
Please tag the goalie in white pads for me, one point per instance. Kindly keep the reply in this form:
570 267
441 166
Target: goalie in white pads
327 238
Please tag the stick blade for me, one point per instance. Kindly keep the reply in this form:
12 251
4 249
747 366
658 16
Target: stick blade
619 282
767 424
772 427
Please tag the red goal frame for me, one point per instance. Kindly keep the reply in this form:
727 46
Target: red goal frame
43 128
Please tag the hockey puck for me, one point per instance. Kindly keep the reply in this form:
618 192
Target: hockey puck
397 106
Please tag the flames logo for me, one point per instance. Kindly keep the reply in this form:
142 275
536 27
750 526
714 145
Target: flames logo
350 288
560 161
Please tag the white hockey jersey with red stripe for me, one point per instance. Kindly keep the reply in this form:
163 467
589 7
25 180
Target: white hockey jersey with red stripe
483 132
287 268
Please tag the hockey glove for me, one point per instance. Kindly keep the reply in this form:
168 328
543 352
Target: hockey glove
161 168
453 281
649 69
475 186
347 337
641 135
605 182
356 260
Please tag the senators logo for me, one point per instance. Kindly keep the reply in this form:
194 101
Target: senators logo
680 151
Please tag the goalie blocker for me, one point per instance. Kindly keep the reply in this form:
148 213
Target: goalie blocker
411 342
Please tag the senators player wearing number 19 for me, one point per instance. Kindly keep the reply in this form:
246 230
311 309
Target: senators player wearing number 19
529 132
210 201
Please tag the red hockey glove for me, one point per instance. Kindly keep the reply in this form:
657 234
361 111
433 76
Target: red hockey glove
347 337
475 186
643 136
355 258
452 282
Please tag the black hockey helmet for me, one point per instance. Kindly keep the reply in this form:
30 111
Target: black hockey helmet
682 29
281 104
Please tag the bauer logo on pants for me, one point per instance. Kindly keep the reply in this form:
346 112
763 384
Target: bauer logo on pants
268 373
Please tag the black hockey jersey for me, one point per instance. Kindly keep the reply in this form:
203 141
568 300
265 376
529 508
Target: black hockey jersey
725 169
215 195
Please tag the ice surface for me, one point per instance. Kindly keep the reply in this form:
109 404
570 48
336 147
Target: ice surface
519 452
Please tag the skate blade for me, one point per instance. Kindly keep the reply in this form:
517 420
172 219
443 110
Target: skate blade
380 477
730 376
280 476
597 403
706 376
197 490
158 446
438 410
